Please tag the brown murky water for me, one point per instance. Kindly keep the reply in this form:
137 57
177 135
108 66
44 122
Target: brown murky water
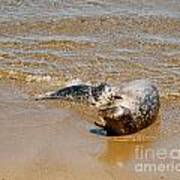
44 44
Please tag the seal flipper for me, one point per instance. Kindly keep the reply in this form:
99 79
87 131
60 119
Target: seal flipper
101 124
118 120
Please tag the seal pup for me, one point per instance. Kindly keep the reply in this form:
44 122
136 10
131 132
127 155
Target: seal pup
123 110
96 95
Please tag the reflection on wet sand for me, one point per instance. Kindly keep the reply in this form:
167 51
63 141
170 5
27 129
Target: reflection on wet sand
123 149
119 152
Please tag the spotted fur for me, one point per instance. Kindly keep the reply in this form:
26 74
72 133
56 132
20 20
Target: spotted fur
136 109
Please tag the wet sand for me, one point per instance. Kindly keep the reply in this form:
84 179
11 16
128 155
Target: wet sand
44 140
45 44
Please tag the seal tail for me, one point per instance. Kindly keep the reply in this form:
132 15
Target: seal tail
48 95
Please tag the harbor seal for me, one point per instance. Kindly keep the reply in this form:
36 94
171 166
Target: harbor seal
135 106
123 110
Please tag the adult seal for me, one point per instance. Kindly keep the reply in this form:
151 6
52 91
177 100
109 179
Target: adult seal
124 110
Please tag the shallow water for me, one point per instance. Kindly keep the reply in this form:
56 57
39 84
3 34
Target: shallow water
44 44
104 40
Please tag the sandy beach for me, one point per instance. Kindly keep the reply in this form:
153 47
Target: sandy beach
46 44
43 140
